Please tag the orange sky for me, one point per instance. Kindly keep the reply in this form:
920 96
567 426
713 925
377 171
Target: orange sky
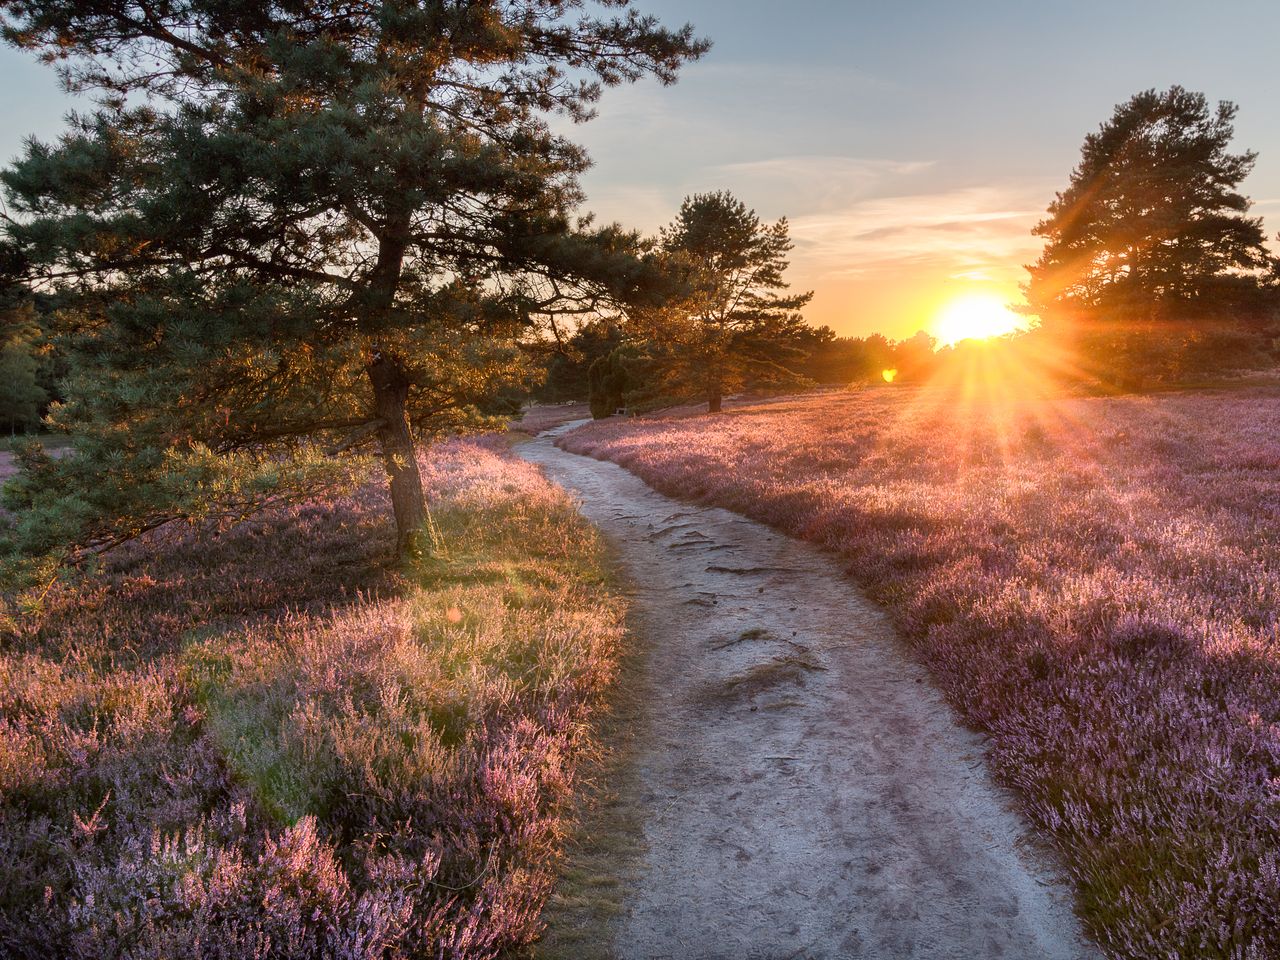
913 146
892 264
882 248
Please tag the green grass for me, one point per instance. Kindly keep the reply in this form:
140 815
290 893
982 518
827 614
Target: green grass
498 574
606 846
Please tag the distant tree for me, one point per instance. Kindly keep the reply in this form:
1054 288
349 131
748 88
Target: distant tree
569 362
21 395
872 355
914 359
617 379
845 360
731 324
1152 236
294 229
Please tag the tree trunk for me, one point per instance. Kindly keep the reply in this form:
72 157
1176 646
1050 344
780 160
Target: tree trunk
390 391
714 401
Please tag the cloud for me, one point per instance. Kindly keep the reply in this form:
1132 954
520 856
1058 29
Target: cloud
874 237
793 185
805 183
962 230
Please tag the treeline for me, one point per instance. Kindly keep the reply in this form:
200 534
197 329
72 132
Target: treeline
1153 272
817 356
720 319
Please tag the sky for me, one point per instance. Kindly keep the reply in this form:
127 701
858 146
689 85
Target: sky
912 145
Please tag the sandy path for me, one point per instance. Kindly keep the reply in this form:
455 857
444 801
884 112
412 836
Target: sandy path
807 793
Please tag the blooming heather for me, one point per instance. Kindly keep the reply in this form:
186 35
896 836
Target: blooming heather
259 742
1095 583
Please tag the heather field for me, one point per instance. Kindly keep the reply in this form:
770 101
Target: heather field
1093 581
259 742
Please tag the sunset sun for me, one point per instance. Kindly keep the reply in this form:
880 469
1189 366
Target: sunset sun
974 317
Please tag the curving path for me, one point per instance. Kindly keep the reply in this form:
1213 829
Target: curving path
807 793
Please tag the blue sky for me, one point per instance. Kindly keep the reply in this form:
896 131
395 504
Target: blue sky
911 144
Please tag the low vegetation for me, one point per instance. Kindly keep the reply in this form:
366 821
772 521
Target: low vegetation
277 240
259 742
1094 583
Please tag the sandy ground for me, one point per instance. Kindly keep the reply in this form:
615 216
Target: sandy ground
805 792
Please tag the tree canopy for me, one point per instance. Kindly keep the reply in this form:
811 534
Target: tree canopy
290 229
22 395
733 322
1152 225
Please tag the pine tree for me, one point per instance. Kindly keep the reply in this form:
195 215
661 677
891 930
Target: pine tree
1152 232
568 365
21 396
290 230
731 324
617 380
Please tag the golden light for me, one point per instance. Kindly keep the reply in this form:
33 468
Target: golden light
889 375
975 316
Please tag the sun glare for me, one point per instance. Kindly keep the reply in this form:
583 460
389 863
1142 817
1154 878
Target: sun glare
974 317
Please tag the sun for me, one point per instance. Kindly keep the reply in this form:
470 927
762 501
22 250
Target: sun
975 316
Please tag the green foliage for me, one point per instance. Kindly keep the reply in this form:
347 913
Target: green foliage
568 368
1152 239
617 380
311 228
24 372
729 324
22 397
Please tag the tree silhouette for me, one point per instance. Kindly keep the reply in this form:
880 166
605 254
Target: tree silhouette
292 229
731 324
1152 231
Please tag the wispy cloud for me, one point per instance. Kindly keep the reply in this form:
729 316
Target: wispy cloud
961 230
795 185
871 234
802 184
858 215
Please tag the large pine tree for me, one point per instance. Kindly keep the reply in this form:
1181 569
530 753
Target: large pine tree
734 323
1152 228
293 228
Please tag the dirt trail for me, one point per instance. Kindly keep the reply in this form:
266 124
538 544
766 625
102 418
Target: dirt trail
807 793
